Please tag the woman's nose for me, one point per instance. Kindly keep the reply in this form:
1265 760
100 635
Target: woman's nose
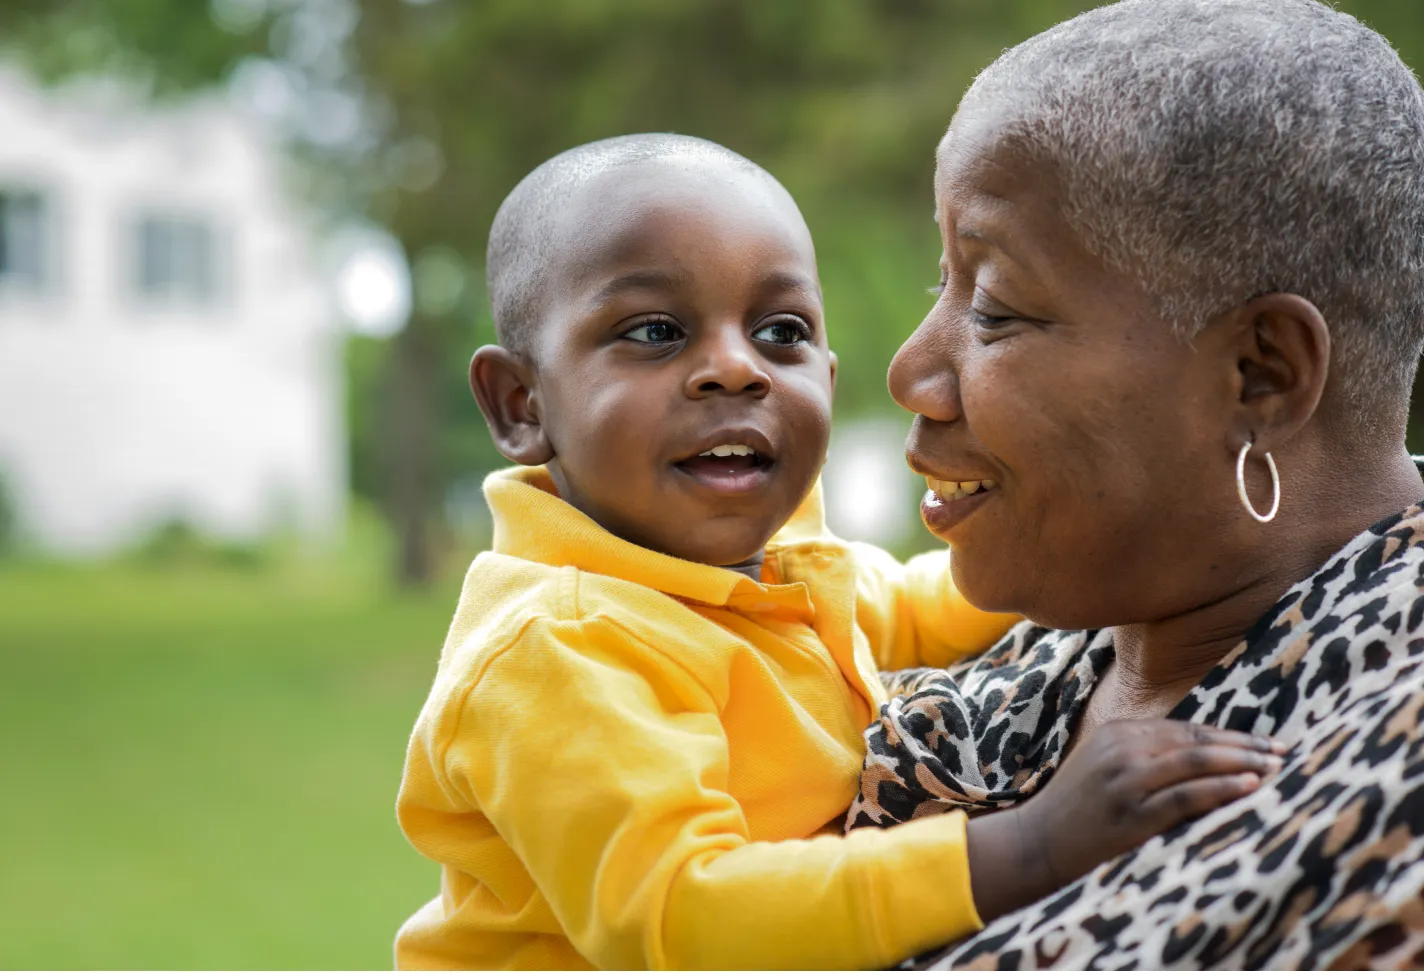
922 377
728 364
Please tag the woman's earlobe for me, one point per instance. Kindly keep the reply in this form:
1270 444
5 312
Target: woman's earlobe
503 384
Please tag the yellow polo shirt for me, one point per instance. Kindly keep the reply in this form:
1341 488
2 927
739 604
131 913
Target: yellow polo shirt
630 760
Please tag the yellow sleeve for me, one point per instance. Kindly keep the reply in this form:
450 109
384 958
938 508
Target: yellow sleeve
913 614
603 765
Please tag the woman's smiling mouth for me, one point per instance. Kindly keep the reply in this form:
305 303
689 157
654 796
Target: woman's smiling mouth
950 491
949 502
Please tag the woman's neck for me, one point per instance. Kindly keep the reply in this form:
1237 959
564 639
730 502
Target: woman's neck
1159 662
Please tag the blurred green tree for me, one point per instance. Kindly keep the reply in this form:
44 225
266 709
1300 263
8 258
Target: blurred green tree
843 99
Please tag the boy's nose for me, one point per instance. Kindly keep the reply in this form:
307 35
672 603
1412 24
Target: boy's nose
729 366
922 379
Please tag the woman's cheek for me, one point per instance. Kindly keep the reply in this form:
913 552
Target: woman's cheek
1003 391
1026 411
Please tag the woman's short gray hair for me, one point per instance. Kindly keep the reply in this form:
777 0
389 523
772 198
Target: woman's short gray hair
1217 150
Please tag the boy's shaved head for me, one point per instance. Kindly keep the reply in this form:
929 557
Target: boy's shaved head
662 344
527 233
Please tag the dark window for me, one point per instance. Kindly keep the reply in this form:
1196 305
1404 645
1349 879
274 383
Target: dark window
176 259
24 241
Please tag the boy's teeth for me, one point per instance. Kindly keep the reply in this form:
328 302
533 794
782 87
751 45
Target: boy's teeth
949 491
722 451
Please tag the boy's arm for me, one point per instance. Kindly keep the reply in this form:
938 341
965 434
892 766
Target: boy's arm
604 766
913 614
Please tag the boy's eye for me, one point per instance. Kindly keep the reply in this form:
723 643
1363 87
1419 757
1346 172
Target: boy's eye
783 332
657 331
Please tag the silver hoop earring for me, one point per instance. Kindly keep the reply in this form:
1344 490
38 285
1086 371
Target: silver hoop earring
1241 485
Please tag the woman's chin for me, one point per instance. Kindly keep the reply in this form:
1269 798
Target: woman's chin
1000 586
983 587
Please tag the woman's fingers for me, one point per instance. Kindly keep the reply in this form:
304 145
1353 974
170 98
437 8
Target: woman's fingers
1175 734
1187 799
1137 778
1202 760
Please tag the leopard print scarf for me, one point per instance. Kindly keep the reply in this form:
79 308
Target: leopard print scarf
1323 866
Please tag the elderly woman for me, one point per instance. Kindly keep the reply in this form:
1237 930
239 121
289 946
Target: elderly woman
1180 309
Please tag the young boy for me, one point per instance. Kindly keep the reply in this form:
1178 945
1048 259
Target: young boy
646 725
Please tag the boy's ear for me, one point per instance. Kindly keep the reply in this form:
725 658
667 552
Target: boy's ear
503 384
1282 348
835 361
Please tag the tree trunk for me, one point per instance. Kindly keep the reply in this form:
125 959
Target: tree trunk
407 453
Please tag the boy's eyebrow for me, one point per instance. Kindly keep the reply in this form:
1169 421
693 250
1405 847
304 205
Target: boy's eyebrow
644 279
774 281
778 281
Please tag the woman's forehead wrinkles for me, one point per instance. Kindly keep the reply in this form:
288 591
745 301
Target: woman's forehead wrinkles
982 151
999 200
991 222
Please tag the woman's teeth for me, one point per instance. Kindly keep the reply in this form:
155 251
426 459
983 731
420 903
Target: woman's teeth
722 451
950 491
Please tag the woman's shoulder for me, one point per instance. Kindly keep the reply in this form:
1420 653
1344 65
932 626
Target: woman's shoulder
1353 627
1378 573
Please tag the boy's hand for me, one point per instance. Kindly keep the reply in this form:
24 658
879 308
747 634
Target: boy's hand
1128 781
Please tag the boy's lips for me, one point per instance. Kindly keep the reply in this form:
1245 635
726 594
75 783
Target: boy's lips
730 461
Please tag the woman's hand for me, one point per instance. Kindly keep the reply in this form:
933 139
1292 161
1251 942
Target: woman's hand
1128 781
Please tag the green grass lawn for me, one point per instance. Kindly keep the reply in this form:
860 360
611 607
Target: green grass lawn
200 764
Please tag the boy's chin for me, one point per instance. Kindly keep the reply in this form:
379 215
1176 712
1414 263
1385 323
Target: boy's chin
739 552
738 559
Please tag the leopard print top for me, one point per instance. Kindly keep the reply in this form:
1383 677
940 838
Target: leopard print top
1323 866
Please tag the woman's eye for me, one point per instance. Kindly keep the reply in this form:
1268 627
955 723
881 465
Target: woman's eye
986 321
783 332
656 331
1002 314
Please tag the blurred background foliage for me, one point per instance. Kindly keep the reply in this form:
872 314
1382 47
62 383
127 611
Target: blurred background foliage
844 100
206 744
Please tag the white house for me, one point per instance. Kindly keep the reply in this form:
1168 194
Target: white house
167 346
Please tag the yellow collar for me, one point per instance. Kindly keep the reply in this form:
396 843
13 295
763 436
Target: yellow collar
533 523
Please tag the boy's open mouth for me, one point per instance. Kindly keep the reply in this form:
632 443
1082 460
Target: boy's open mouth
730 468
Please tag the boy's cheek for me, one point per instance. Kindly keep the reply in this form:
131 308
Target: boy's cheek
812 393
